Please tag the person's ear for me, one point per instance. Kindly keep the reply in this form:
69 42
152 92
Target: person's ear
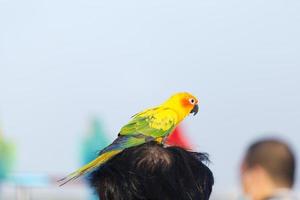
251 179
260 174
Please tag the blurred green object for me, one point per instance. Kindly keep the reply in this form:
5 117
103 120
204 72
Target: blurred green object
94 141
7 157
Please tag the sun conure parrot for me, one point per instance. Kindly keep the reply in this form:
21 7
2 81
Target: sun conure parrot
153 124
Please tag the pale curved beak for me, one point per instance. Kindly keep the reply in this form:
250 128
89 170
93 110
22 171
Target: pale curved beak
195 109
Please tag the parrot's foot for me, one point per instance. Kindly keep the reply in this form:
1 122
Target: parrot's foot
159 140
162 140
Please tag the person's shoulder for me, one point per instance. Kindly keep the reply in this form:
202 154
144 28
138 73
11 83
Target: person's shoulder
285 195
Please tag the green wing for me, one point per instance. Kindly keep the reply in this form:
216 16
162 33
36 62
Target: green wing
155 122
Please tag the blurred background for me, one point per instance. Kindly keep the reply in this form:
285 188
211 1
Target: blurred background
74 70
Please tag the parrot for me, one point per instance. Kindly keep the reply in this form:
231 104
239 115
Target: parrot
153 124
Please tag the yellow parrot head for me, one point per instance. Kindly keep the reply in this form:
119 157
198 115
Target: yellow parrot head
184 103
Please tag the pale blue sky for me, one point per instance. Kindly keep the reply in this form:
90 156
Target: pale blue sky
62 62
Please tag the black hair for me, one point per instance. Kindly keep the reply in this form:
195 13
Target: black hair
276 157
151 172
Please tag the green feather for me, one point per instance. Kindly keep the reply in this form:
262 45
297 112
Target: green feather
140 124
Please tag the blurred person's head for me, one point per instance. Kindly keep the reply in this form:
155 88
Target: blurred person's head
151 171
269 165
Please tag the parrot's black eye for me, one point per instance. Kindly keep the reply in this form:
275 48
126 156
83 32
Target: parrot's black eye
192 101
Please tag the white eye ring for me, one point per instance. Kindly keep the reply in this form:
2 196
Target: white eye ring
192 101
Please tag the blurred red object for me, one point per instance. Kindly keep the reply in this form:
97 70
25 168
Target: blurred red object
178 138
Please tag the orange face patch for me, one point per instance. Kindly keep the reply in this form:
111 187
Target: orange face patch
186 103
189 101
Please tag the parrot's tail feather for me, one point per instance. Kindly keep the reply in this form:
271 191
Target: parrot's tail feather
89 167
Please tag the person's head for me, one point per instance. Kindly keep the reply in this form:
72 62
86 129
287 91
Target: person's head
151 171
268 165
